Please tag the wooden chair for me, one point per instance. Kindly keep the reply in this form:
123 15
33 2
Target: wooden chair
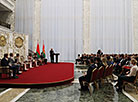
106 72
5 70
135 83
100 73
92 80
110 72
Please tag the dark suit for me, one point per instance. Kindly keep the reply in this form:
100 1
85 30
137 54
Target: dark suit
52 56
87 77
4 62
13 66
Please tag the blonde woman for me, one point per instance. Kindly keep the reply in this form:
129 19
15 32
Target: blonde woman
104 61
130 77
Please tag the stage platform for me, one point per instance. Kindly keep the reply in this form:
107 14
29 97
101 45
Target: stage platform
42 76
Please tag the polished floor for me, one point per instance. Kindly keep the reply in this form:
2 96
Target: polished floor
70 93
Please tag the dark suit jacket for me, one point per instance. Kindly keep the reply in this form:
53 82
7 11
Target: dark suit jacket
51 53
89 72
4 62
11 61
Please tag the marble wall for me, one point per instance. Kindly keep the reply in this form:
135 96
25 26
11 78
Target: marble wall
37 23
8 15
135 25
13 43
86 26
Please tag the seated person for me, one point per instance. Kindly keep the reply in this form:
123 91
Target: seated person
104 62
13 64
35 59
23 63
99 52
78 59
30 60
98 62
130 77
43 59
87 77
5 62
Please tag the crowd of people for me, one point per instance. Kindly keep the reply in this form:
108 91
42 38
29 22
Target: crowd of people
17 63
125 66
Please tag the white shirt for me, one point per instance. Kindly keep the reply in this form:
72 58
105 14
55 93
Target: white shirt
133 71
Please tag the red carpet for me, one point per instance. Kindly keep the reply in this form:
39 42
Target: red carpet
44 75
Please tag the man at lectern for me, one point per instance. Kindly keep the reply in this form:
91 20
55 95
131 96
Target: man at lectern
52 55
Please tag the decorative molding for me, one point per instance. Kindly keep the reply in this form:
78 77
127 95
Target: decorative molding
19 42
37 23
4 29
21 45
9 4
135 24
2 41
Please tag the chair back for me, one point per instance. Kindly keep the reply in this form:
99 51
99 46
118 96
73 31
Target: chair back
136 77
4 69
0 62
94 75
110 70
100 72
106 71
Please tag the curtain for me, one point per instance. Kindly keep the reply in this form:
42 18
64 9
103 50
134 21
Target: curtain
111 26
61 27
24 18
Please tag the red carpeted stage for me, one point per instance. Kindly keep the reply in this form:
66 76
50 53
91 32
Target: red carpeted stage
42 76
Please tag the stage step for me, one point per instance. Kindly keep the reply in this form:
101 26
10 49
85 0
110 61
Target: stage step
12 94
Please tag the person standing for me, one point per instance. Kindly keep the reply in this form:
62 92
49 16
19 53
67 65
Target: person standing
52 55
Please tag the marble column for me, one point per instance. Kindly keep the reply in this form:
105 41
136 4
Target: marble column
86 26
37 23
135 25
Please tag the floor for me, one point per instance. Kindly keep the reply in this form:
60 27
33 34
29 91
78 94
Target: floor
70 93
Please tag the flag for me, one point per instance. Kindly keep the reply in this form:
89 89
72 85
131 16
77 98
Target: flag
38 51
43 50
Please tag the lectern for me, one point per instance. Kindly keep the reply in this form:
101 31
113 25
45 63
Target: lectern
56 54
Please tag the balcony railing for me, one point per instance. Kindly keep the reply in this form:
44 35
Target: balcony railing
5 24
8 4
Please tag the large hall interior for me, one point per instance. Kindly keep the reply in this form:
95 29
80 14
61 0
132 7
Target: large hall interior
68 50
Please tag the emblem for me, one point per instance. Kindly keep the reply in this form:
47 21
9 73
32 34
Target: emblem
18 42
2 41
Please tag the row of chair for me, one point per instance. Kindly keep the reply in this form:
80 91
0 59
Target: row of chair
98 75
5 70
135 83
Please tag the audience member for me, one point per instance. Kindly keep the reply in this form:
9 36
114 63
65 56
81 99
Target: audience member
13 64
5 62
130 77
87 76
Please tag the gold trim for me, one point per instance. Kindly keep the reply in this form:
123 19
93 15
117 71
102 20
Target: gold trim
2 41
18 42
